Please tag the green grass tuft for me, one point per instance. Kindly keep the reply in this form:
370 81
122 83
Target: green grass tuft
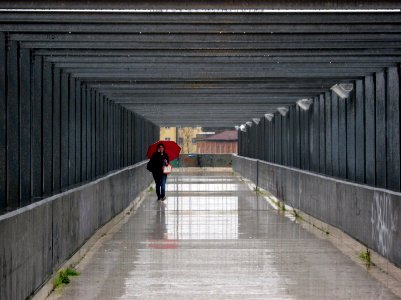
365 257
63 277
71 272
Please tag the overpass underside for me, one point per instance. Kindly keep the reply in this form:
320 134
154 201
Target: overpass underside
85 86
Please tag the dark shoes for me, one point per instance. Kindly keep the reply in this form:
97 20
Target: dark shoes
164 198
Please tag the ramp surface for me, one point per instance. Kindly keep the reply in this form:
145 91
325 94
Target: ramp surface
215 238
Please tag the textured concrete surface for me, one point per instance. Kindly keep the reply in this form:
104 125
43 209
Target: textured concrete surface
368 214
37 239
215 238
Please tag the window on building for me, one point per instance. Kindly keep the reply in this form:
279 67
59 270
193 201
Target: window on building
193 141
180 140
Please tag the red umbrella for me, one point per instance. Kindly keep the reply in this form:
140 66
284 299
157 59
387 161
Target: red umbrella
170 147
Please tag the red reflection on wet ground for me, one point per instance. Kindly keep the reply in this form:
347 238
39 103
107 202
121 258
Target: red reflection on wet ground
162 244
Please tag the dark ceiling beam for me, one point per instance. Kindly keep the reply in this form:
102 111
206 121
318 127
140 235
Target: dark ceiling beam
206 115
203 92
202 28
257 84
193 122
194 71
227 67
110 77
227 59
204 111
197 109
240 108
210 98
185 75
213 87
229 120
99 17
287 45
220 53
205 37
208 101
201 4
216 93
203 114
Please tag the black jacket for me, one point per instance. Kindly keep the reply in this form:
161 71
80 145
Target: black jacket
157 162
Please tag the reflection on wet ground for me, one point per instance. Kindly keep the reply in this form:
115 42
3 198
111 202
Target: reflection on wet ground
214 238
206 217
202 187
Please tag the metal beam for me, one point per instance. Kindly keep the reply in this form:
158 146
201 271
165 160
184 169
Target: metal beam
169 28
200 4
221 53
205 17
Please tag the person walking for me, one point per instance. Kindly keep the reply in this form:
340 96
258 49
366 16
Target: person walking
157 162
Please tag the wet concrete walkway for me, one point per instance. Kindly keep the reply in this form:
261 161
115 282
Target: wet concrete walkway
215 238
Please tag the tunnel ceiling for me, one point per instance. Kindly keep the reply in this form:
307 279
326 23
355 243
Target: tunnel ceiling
206 68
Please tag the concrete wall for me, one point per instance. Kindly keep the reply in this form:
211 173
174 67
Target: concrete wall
35 240
203 160
356 139
370 215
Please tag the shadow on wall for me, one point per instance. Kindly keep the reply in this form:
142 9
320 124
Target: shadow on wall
203 160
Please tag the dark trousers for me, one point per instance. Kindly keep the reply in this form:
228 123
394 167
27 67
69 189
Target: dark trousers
160 181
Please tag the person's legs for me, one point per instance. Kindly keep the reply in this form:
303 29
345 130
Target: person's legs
158 182
163 186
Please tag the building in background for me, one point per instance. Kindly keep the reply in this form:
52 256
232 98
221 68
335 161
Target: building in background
187 139
225 142
184 136
168 134
204 135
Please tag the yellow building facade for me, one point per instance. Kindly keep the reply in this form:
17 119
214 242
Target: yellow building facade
186 137
168 133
